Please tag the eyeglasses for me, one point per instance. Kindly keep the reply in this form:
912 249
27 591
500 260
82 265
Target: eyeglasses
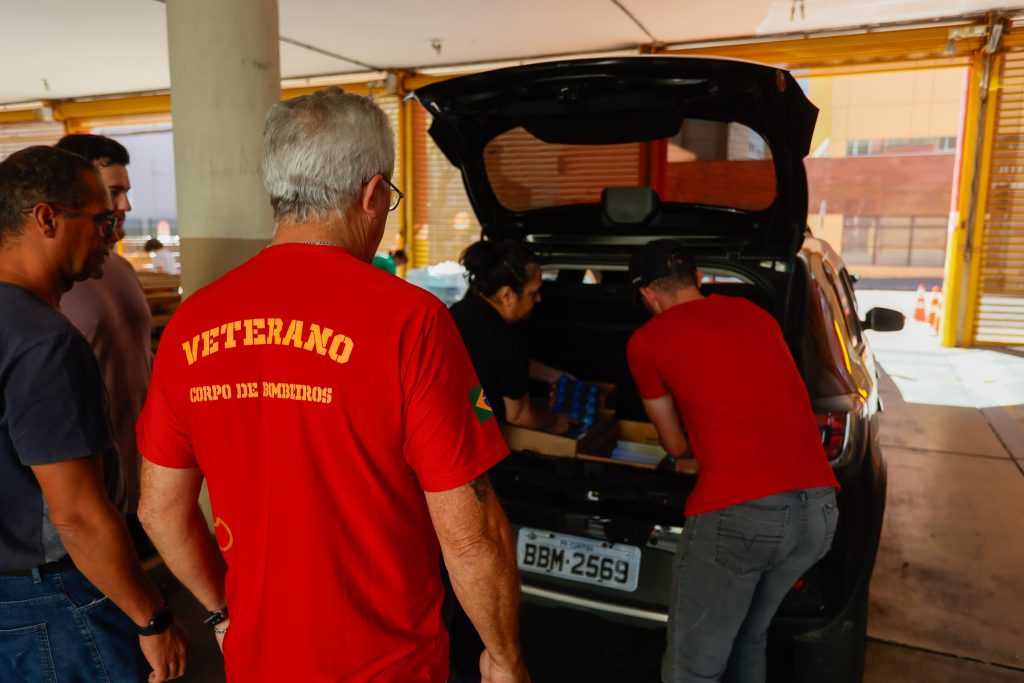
396 195
104 221
535 294
512 270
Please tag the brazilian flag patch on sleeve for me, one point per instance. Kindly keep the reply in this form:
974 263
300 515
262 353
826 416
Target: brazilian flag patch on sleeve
481 406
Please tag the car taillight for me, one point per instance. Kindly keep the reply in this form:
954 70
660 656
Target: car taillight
833 428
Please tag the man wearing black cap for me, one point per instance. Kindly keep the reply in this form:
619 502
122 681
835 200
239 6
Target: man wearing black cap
764 508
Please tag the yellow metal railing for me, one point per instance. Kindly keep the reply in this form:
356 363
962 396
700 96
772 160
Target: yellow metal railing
964 255
407 159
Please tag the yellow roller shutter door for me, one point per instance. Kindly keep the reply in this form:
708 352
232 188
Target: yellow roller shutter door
1000 292
15 136
391 105
444 223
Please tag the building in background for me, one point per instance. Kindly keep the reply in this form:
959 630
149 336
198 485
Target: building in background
882 167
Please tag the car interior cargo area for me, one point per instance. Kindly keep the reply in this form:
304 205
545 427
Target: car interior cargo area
583 327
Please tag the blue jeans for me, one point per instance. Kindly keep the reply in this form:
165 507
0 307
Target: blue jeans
60 628
732 570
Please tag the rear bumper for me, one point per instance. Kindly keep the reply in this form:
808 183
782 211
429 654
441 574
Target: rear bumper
801 617
635 616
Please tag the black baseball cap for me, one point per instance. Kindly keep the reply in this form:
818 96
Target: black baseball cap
659 258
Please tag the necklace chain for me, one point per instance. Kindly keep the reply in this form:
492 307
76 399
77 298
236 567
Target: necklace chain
317 242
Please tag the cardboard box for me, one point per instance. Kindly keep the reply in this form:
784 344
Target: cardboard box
523 439
606 395
640 432
637 432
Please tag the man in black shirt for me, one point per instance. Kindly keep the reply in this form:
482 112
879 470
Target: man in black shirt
504 286
74 601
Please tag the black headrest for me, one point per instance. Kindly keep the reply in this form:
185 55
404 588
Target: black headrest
630 206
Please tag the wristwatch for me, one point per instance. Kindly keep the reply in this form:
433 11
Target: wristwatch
160 622
217 616
667 464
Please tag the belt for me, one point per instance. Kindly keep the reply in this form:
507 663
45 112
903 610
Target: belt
56 567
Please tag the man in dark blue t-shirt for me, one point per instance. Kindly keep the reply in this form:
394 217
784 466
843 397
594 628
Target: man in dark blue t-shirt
74 601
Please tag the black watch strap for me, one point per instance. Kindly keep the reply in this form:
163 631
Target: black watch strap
667 464
160 622
217 616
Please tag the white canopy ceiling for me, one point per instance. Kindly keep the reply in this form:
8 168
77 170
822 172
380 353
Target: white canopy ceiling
55 49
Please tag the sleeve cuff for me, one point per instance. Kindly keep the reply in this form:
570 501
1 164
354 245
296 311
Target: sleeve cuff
467 474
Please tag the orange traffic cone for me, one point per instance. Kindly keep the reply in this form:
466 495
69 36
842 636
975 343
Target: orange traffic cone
919 313
936 306
937 321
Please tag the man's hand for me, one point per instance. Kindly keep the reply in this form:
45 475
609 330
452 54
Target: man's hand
167 653
545 373
480 554
666 464
561 424
683 464
523 412
490 672
170 514
663 414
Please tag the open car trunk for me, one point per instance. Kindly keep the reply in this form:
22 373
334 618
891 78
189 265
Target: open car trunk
585 160
539 144
583 328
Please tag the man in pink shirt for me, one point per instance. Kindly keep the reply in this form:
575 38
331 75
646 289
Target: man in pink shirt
112 314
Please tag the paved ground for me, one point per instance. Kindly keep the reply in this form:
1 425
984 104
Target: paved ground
945 600
945 597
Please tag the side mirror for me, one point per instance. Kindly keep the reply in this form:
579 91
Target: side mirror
854 277
884 320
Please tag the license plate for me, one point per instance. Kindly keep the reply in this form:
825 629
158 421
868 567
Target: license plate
586 560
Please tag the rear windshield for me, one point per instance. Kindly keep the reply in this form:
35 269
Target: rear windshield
708 162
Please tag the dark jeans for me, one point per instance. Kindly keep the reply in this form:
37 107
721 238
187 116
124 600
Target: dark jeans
732 570
60 628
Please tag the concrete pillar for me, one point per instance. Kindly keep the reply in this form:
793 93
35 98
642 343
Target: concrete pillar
225 75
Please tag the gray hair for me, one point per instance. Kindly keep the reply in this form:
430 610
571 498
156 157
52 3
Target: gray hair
319 149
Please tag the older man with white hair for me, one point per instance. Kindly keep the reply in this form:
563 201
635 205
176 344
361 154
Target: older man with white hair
341 447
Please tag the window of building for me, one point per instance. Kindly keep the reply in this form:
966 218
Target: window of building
894 240
858 239
901 146
929 241
15 136
858 148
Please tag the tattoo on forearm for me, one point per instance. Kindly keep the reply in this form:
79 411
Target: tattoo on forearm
481 485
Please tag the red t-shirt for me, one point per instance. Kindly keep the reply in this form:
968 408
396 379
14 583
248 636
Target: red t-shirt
321 397
740 396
